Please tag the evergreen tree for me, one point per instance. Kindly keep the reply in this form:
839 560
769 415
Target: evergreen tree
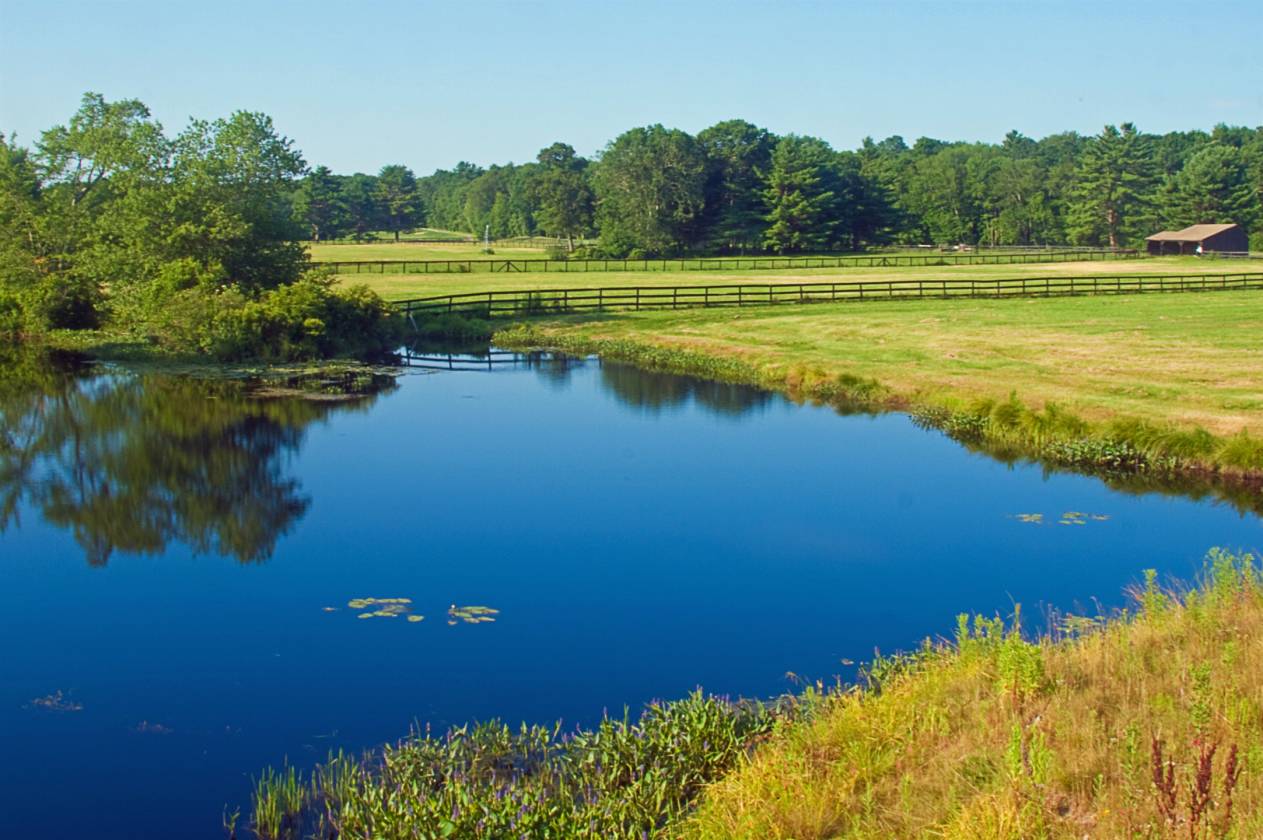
1213 187
319 205
1114 188
801 207
735 216
398 204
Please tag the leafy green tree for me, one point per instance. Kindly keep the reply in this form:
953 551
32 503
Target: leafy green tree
564 203
399 205
319 204
444 194
801 207
22 263
228 213
735 215
1214 187
943 192
99 175
1114 189
886 167
650 191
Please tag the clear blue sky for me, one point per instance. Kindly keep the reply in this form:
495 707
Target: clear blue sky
359 85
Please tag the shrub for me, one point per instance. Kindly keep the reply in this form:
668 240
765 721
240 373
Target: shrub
65 301
309 319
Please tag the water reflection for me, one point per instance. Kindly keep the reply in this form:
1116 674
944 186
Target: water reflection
653 391
647 390
131 462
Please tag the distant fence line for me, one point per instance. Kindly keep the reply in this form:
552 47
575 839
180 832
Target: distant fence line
494 304
510 242
492 266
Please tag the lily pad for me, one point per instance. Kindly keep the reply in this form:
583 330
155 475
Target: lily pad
56 702
381 607
473 614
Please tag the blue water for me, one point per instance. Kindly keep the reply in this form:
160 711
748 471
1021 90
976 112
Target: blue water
641 535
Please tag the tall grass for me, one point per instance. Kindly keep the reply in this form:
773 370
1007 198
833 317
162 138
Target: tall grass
623 778
1146 724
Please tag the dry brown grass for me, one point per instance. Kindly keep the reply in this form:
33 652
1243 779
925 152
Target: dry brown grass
1000 738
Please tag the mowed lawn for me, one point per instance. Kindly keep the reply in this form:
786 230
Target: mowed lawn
404 286
419 250
1186 359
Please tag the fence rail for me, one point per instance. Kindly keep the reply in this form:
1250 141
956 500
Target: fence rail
494 304
492 266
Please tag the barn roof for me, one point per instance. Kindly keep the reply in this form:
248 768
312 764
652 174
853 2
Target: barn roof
1192 233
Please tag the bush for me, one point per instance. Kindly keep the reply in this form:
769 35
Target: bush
309 319
64 301
12 314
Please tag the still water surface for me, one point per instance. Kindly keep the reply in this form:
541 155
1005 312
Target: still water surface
170 548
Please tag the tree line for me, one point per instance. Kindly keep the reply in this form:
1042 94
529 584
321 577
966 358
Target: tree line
739 188
189 242
195 241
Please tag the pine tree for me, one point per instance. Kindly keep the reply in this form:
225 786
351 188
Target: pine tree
1214 186
800 204
1113 189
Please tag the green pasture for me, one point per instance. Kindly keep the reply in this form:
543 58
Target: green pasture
405 286
1188 360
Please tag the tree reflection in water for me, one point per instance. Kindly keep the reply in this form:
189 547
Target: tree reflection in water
133 461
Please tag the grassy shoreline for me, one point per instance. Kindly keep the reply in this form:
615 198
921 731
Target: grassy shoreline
1146 722
1164 384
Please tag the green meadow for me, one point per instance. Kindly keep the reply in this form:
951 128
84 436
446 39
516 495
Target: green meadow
396 286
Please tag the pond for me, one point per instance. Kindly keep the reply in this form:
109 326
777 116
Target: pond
188 565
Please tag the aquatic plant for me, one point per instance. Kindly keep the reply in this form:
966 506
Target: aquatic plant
471 615
623 778
383 608
58 701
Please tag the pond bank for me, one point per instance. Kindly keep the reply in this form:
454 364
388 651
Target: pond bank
1127 386
990 735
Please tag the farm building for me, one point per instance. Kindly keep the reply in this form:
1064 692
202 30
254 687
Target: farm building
1209 237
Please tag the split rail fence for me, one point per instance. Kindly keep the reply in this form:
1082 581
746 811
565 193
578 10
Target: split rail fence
496 304
492 266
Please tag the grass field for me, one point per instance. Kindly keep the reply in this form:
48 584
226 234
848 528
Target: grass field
1190 360
404 286
325 252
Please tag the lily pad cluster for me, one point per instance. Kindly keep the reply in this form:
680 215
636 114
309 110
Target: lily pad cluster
1070 517
471 614
1075 517
56 702
396 607
384 608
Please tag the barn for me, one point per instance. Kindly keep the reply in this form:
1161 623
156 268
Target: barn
1209 237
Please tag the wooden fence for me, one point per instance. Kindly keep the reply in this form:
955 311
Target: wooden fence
492 266
494 304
